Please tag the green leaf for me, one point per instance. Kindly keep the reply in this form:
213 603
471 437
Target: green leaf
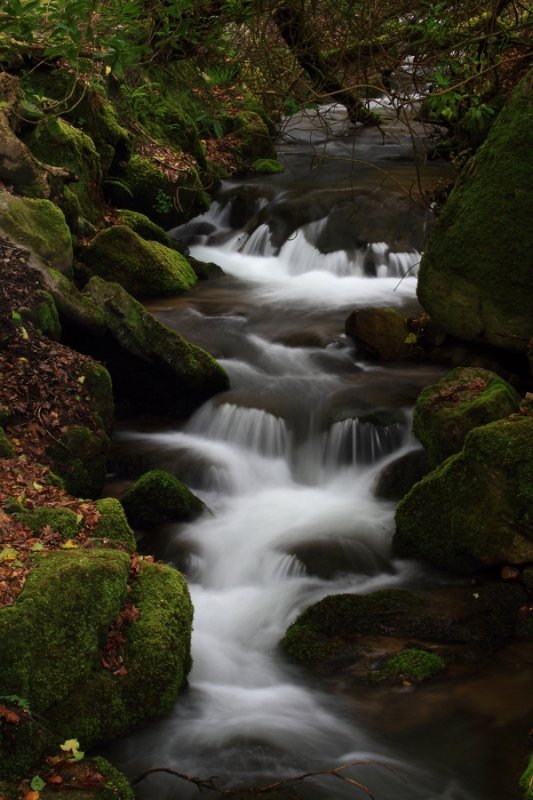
37 783
37 546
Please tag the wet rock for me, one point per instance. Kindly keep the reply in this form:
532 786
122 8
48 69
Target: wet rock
159 497
463 399
476 508
474 280
400 475
383 332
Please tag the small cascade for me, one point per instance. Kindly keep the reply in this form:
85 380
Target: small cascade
355 442
251 428
259 243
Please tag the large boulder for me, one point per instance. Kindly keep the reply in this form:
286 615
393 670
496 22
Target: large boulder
476 508
38 225
151 365
144 268
60 655
475 276
463 399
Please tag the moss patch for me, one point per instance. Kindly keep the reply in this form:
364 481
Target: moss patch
79 457
6 448
113 524
143 268
61 520
38 225
144 227
411 664
464 399
159 497
526 781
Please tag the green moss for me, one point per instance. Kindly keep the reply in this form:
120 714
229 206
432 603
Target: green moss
255 139
80 459
485 225
477 507
116 784
464 399
526 781
54 633
410 664
142 186
159 497
44 316
326 629
38 225
75 309
267 166
113 524
150 362
61 520
98 384
143 268
59 143
156 657
144 227
6 448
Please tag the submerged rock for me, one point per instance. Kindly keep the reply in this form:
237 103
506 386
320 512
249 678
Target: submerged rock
476 508
464 399
475 280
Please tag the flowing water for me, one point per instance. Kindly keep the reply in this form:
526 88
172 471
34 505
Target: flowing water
286 462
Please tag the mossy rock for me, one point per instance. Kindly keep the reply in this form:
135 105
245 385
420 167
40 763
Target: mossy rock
159 497
151 365
55 141
89 779
80 457
205 270
267 166
54 638
6 448
410 664
144 268
324 632
61 520
38 225
254 135
475 509
144 227
464 399
526 781
399 476
474 280
97 382
141 186
76 310
113 524
44 316
156 658
383 332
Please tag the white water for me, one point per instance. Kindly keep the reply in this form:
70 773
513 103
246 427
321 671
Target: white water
286 460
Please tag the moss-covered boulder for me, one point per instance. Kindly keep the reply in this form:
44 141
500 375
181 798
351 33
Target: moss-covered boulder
77 311
44 315
159 497
79 456
475 509
113 524
464 399
55 141
38 225
97 382
383 332
61 520
56 644
144 268
474 280
140 185
152 366
144 227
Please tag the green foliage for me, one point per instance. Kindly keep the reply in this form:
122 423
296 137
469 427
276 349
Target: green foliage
410 664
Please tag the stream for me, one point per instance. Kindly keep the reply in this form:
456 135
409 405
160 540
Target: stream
286 462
